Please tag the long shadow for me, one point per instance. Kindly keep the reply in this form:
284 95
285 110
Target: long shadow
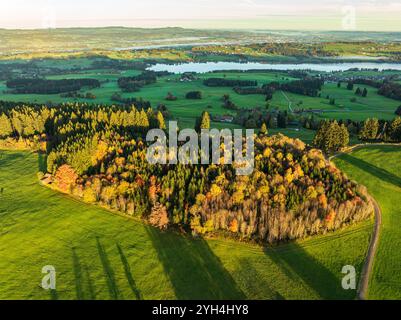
91 287
53 294
108 271
373 170
78 275
192 268
128 273
42 162
82 276
255 282
296 263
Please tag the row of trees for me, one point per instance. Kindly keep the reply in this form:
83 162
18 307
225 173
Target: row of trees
196 95
332 136
222 82
135 83
43 86
307 87
375 130
385 88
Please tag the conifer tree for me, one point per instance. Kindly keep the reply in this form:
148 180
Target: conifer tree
369 130
205 120
395 130
5 126
365 92
160 121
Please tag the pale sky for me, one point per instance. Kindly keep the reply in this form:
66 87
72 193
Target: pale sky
372 15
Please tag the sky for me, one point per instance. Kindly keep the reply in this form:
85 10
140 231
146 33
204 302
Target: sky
363 15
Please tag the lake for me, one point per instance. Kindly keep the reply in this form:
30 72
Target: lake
226 66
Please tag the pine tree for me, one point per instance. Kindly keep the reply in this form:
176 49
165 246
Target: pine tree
160 121
365 92
369 130
344 136
395 130
350 86
5 126
331 137
205 120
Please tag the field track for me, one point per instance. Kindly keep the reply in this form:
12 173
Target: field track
368 265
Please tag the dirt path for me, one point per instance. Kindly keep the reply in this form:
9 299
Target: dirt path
368 265
288 100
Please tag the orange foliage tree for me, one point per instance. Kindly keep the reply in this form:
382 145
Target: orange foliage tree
65 178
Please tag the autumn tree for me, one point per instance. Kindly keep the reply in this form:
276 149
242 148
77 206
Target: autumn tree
160 121
203 122
65 178
395 129
369 130
5 126
159 217
331 137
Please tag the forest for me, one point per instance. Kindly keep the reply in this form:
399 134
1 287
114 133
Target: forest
98 155
42 86
132 84
221 82
386 88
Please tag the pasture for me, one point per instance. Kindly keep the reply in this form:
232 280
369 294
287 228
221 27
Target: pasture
378 168
347 105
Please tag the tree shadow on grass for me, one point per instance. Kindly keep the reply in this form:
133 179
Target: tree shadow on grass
256 284
82 276
108 271
78 275
297 264
91 288
192 268
53 294
128 273
373 170
42 162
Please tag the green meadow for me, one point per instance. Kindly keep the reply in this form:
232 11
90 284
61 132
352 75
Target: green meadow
101 255
379 169
347 104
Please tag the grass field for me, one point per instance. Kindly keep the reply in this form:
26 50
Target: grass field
186 111
101 255
379 169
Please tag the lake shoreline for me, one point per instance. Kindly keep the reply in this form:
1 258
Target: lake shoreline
205 67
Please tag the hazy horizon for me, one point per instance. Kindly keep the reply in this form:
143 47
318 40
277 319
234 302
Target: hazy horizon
323 15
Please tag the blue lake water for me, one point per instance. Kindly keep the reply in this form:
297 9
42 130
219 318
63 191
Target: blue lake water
226 66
